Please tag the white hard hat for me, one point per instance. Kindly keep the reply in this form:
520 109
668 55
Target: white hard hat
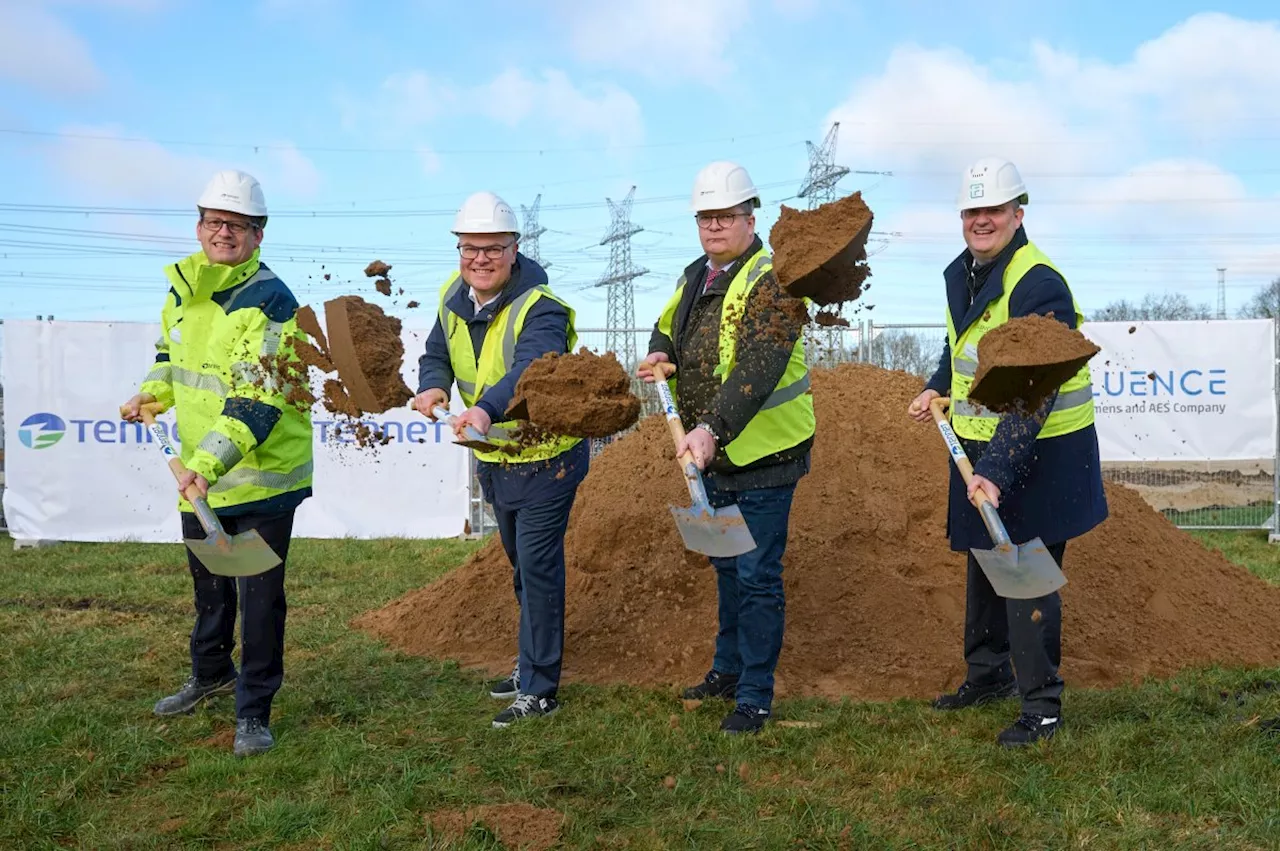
236 192
485 212
991 182
722 185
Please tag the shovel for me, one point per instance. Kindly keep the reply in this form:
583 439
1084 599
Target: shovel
720 533
245 554
474 439
1015 571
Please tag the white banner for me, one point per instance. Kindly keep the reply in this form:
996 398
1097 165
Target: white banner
74 471
1185 391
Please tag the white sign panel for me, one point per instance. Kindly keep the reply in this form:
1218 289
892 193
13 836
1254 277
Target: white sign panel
74 471
1174 391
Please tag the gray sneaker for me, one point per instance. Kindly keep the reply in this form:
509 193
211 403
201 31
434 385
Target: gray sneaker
526 706
252 737
509 688
192 694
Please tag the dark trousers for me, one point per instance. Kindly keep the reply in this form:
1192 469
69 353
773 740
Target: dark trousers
1004 638
752 607
262 608
533 537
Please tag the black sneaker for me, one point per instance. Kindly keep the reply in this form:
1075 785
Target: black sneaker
744 719
252 737
714 684
192 693
526 706
510 687
970 694
1271 726
1029 729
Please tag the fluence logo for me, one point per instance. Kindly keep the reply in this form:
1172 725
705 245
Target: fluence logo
40 431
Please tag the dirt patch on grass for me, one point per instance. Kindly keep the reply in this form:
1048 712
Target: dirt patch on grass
1023 361
581 395
821 254
875 597
516 826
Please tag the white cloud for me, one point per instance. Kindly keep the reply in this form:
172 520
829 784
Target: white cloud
97 163
38 50
661 39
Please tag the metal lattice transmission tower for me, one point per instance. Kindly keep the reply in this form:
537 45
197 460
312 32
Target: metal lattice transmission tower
820 183
531 231
621 313
1222 292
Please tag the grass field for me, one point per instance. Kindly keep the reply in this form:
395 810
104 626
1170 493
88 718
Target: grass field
371 743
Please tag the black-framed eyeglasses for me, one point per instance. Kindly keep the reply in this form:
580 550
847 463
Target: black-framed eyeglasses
237 228
492 252
725 220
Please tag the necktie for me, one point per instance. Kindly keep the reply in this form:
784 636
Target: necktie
712 274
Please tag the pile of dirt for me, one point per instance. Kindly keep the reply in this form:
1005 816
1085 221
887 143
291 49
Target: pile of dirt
581 395
516 826
821 254
1023 361
875 597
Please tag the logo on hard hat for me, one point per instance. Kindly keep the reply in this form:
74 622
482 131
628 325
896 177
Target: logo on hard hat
40 431
976 190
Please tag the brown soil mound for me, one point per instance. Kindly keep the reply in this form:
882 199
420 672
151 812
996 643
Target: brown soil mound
581 395
821 254
520 827
1023 361
875 598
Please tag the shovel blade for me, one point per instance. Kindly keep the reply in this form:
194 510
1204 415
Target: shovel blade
245 554
722 534
1021 572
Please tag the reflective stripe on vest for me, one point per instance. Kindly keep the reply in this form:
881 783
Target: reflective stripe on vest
1073 409
786 418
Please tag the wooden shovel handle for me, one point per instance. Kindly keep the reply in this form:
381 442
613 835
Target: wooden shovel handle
662 372
148 413
937 408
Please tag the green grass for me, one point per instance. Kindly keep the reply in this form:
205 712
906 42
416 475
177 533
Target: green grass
371 741
1254 515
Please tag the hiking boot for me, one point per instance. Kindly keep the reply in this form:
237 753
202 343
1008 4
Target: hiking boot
714 684
192 693
526 706
252 737
744 719
1029 729
508 688
1271 726
970 694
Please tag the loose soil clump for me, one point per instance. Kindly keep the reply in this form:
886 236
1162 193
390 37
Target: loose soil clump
821 254
378 269
365 346
827 319
875 596
1022 362
517 826
580 395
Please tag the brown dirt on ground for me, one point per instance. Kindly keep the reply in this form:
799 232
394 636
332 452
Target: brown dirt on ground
1021 362
520 827
821 254
581 395
875 597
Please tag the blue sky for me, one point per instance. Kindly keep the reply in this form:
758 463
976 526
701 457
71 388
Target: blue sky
1147 142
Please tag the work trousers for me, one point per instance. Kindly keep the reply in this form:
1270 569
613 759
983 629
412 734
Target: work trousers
1004 638
261 603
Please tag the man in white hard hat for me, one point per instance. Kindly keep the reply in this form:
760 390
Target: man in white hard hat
1041 469
741 385
246 449
496 316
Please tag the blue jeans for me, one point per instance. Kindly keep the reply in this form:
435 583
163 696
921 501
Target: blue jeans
749 586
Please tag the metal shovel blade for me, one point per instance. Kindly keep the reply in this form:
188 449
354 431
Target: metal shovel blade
720 534
1022 571
245 554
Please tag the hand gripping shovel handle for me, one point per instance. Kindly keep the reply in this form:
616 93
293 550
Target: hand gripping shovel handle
689 467
995 526
208 520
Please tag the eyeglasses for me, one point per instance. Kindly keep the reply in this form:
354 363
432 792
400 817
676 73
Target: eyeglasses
492 252
215 225
725 220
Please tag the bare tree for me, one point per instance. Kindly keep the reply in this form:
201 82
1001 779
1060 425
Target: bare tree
906 351
1265 303
1163 306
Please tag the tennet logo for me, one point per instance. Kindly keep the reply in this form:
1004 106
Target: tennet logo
40 431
